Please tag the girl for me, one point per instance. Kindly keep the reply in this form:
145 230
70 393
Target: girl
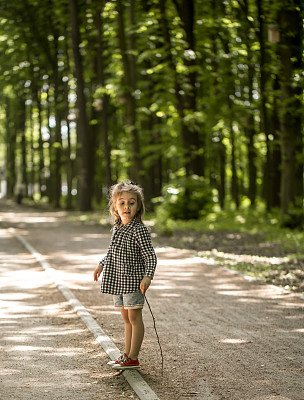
128 267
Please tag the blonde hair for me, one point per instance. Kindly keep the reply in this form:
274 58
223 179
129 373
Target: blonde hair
126 186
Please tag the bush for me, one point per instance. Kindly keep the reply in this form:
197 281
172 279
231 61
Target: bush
184 198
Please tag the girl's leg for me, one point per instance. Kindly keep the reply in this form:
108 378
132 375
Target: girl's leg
138 330
128 331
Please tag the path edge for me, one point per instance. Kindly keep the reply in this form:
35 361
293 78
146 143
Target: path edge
133 377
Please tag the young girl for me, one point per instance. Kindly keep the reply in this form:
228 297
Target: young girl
128 267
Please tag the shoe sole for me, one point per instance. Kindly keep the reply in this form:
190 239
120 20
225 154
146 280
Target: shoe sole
119 367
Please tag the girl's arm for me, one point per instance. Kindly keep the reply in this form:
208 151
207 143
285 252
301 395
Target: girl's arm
144 241
99 269
145 283
97 272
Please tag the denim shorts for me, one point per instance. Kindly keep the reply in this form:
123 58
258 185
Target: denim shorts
129 301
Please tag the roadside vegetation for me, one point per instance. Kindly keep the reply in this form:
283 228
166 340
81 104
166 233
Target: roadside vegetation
247 240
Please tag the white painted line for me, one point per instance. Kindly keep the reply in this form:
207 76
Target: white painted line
133 377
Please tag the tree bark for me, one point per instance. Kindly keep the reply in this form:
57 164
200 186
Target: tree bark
57 146
22 129
129 90
185 103
85 183
11 139
290 51
105 98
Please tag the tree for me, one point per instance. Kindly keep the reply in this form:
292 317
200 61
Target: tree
85 180
290 21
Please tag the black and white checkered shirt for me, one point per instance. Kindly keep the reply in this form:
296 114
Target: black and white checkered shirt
129 258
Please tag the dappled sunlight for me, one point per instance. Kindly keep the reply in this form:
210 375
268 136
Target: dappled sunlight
169 262
170 295
33 217
162 287
243 257
90 236
250 300
4 233
234 341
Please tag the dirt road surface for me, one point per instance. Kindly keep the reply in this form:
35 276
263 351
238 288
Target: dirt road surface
223 336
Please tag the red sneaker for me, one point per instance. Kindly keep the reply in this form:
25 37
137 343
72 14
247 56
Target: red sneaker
127 363
119 359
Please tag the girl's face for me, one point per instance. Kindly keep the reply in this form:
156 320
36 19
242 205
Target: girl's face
126 205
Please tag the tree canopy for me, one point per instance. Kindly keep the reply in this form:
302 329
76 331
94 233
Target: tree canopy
158 91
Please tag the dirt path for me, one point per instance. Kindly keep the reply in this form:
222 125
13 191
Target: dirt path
223 337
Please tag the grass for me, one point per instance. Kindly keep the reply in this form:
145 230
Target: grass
250 241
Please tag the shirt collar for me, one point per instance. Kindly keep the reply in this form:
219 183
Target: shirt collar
126 226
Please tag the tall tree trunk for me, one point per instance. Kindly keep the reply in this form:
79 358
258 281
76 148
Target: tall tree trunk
57 146
250 125
222 167
22 129
186 104
191 134
275 148
69 161
290 50
85 183
32 154
104 106
49 175
11 139
41 164
234 179
130 87
265 125
250 133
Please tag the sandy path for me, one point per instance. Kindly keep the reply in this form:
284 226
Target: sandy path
223 337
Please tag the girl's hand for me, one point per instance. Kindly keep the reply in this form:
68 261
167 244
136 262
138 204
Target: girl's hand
97 272
145 283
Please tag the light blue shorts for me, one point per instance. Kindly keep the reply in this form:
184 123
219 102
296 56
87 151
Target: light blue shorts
129 301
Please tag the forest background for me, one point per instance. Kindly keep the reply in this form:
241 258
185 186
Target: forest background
199 101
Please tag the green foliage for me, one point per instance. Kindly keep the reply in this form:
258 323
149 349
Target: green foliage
201 97
185 198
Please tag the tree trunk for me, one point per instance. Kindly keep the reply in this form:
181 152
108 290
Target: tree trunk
85 183
10 149
69 161
22 129
275 149
58 117
222 166
104 106
47 177
290 50
193 162
130 87
265 125
234 179
191 137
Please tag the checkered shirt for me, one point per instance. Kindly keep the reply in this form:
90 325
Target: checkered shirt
129 258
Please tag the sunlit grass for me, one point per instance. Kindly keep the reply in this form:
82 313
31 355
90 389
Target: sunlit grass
252 221
265 228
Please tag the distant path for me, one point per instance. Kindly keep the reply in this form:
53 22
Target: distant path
223 337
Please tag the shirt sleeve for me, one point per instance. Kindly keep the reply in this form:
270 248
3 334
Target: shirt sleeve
104 259
143 239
